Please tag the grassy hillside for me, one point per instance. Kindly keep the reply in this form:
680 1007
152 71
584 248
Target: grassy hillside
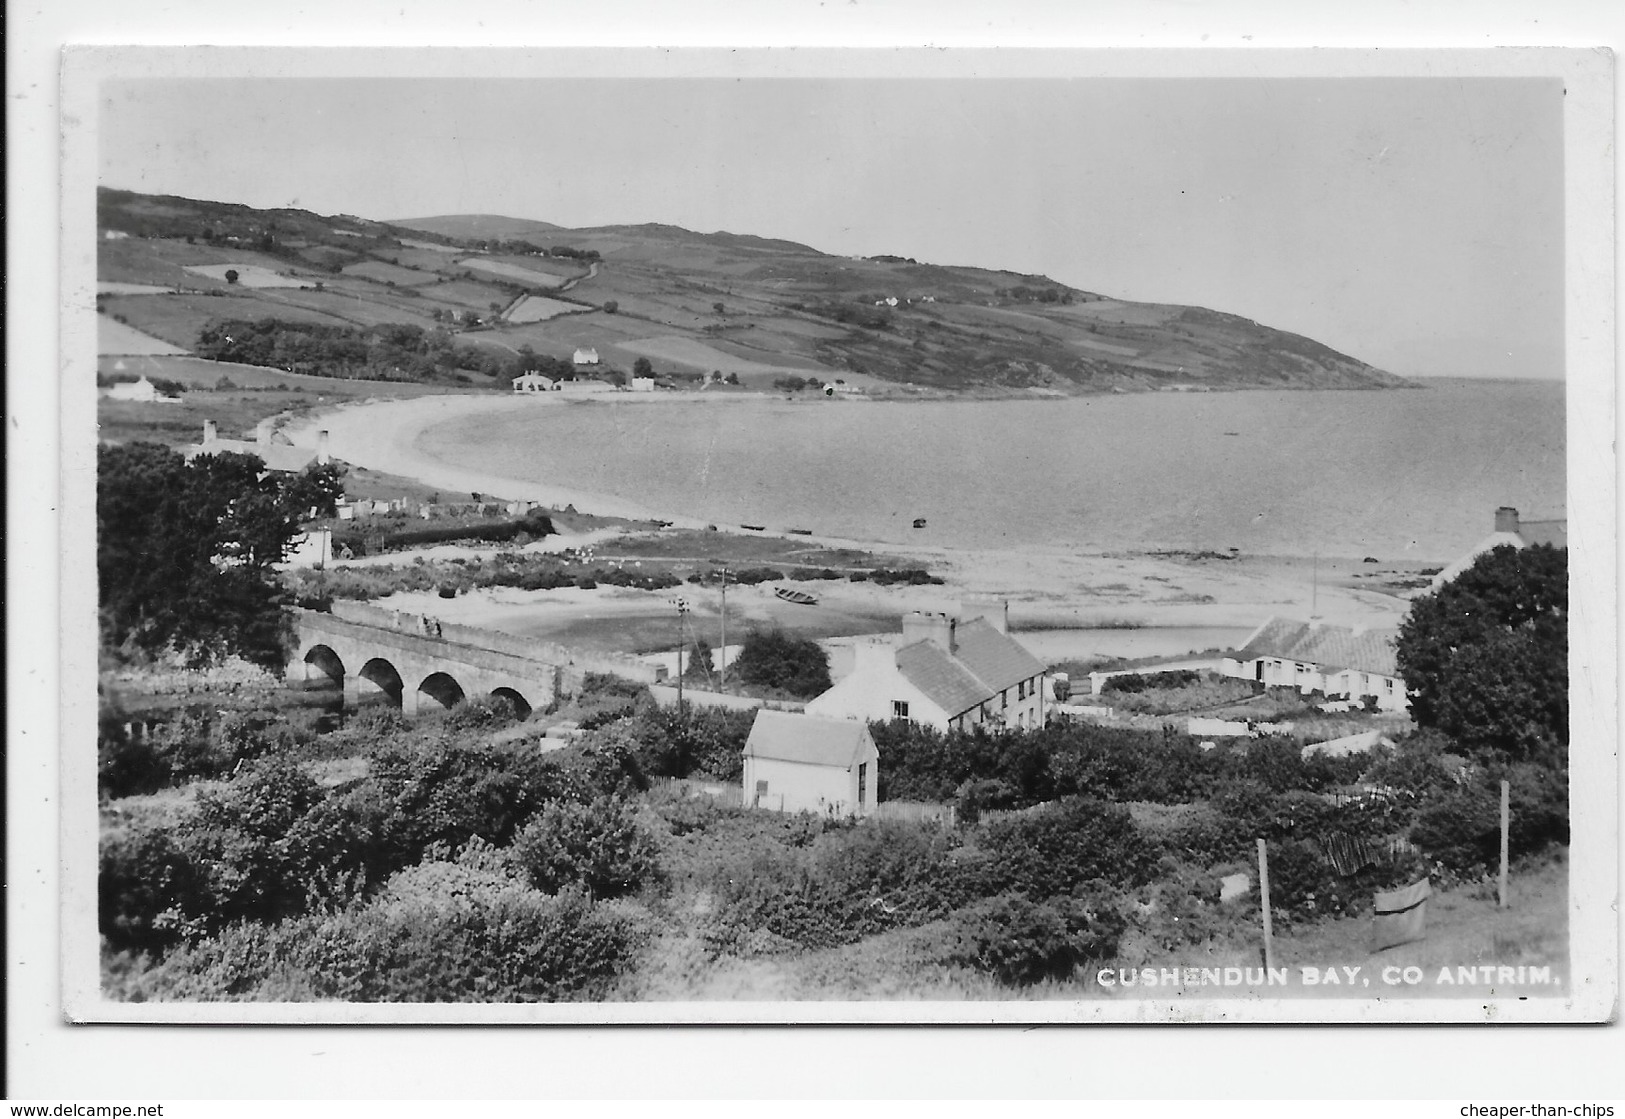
688 302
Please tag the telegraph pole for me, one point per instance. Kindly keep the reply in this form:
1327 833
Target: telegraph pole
682 613
722 663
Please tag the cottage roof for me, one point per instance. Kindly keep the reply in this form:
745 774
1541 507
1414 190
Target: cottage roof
994 658
944 680
809 739
1326 646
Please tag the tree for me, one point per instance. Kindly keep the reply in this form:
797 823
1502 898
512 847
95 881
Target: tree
611 307
186 552
719 308
1486 655
231 275
643 368
601 846
775 659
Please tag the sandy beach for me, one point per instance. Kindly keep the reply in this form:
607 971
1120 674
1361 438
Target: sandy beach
1070 603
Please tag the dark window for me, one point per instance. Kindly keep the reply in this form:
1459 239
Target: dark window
899 709
863 781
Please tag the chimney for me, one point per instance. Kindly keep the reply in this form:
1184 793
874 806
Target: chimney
934 627
321 447
995 609
1506 519
211 432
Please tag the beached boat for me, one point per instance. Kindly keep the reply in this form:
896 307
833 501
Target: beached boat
800 597
919 522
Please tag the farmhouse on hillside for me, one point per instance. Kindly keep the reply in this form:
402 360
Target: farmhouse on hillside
796 763
587 356
534 382
270 446
948 673
1511 531
1314 657
140 390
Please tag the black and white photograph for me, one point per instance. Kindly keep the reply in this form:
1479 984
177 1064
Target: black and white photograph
772 537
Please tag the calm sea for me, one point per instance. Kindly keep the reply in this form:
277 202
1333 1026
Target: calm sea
1394 474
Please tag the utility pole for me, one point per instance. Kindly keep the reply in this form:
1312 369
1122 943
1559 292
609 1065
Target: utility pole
722 654
682 613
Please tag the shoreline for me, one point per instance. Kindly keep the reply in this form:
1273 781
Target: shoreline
1050 590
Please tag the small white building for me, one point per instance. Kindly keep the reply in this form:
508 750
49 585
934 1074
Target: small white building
643 384
1315 657
140 390
951 673
534 382
796 763
585 356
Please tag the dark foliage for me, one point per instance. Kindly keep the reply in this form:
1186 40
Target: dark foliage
776 659
387 352
186 553
599 846
1020 941
1486 655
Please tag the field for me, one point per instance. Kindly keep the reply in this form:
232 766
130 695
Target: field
391 274
248 275
539 308
114 337
525 273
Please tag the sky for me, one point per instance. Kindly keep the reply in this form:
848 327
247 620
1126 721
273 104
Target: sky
1414 223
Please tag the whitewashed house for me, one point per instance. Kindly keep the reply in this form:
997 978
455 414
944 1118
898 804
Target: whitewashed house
1315 657
534 382
796 763
948 673
643 384
140 390
585 356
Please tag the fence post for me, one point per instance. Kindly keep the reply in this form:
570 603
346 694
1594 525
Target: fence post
1264 900
1506 827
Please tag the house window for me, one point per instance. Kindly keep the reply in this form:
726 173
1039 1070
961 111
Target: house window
1004 700
863 782
1021 690
899 709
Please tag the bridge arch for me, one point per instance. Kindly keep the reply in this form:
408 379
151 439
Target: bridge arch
521 705
443 688
384 677
324 660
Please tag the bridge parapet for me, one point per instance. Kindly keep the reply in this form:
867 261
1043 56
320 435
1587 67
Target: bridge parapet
575 663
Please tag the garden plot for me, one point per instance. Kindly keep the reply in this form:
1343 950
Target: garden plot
248 275
115 287
699 356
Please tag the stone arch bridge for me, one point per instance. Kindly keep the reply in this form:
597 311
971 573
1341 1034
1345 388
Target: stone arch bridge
411 658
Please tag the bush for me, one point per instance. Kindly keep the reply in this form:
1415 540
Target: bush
1056 850
778 660
599 846
1020 941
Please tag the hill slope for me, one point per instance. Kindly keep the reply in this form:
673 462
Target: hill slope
688 302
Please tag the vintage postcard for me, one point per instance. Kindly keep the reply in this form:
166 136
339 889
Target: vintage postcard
837 536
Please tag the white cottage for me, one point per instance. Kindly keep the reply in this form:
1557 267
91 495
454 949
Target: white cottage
141 390
585 356
1314 657
796 763
948 673
1510 530
534 382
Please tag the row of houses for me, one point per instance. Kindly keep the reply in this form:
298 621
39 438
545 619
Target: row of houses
532 383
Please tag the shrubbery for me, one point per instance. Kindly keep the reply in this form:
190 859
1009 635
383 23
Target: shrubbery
779 660
1020 941
439 932
600 847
